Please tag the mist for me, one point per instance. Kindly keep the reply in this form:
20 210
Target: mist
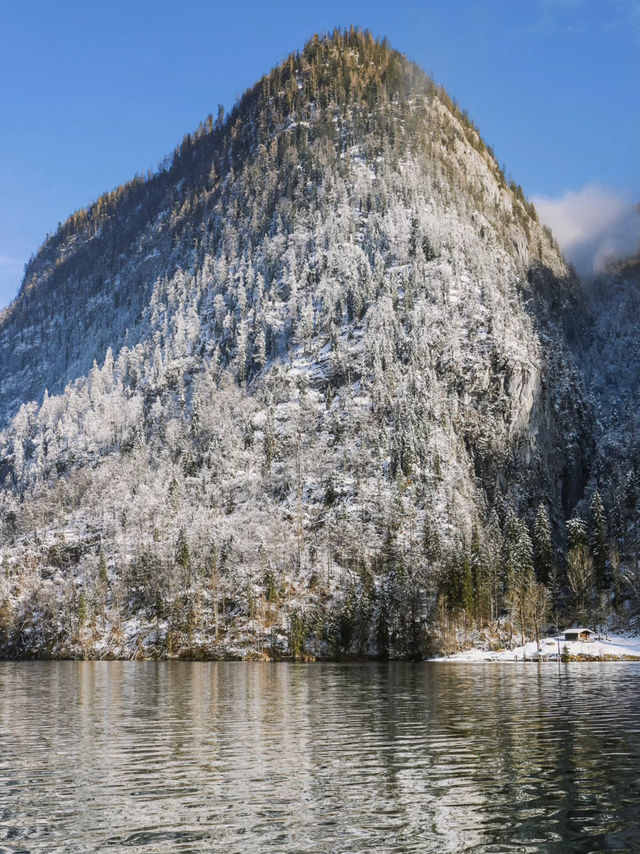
593 226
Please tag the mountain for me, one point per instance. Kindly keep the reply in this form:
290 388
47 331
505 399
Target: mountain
300 392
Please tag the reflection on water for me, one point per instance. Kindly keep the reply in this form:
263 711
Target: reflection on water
241 757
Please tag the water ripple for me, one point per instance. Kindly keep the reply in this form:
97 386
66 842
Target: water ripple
239 757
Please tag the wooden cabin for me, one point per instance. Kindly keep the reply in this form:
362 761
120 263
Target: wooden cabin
579 634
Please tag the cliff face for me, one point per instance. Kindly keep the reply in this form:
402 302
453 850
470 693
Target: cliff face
325 331
609 357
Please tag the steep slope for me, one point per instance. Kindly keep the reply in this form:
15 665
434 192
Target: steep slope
332 340
611 364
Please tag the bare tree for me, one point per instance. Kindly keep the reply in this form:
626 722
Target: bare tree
539 602
580 577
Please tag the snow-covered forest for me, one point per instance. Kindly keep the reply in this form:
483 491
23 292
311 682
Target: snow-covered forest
320 386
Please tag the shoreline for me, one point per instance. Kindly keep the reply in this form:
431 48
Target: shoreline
606 647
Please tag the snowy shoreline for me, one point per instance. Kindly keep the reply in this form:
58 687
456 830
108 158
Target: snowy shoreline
604 648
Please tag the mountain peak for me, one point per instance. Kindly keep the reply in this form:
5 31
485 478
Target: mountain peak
346 101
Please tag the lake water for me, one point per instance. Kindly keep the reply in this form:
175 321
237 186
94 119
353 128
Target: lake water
252 757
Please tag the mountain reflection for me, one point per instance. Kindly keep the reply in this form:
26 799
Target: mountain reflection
196 757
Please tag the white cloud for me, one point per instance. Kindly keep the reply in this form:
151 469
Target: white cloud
592 225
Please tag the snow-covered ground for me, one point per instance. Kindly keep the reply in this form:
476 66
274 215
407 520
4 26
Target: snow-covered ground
604 645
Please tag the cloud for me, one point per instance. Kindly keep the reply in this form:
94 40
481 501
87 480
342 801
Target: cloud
592 226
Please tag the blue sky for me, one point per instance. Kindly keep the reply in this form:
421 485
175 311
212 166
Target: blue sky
93 93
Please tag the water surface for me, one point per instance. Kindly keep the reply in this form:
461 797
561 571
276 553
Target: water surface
251 757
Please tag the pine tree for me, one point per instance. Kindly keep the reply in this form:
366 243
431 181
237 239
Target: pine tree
599 541
183 557
383 619
297 634
542 545
481 579
431 546
494 546
269 442
466 577
509 557
524 575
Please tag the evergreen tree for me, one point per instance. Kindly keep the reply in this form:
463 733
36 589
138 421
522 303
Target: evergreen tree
183 556
431 545
466 581
481 577
523 578
542 545
269 441
383 619
509 557
599 541
494 547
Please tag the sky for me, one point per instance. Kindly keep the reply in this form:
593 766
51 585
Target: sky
93 93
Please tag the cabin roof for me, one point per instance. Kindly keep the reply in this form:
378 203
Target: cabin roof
577 630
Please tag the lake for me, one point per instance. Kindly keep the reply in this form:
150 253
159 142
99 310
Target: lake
252 757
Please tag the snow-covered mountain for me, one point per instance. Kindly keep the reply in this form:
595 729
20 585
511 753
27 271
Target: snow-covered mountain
292 390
